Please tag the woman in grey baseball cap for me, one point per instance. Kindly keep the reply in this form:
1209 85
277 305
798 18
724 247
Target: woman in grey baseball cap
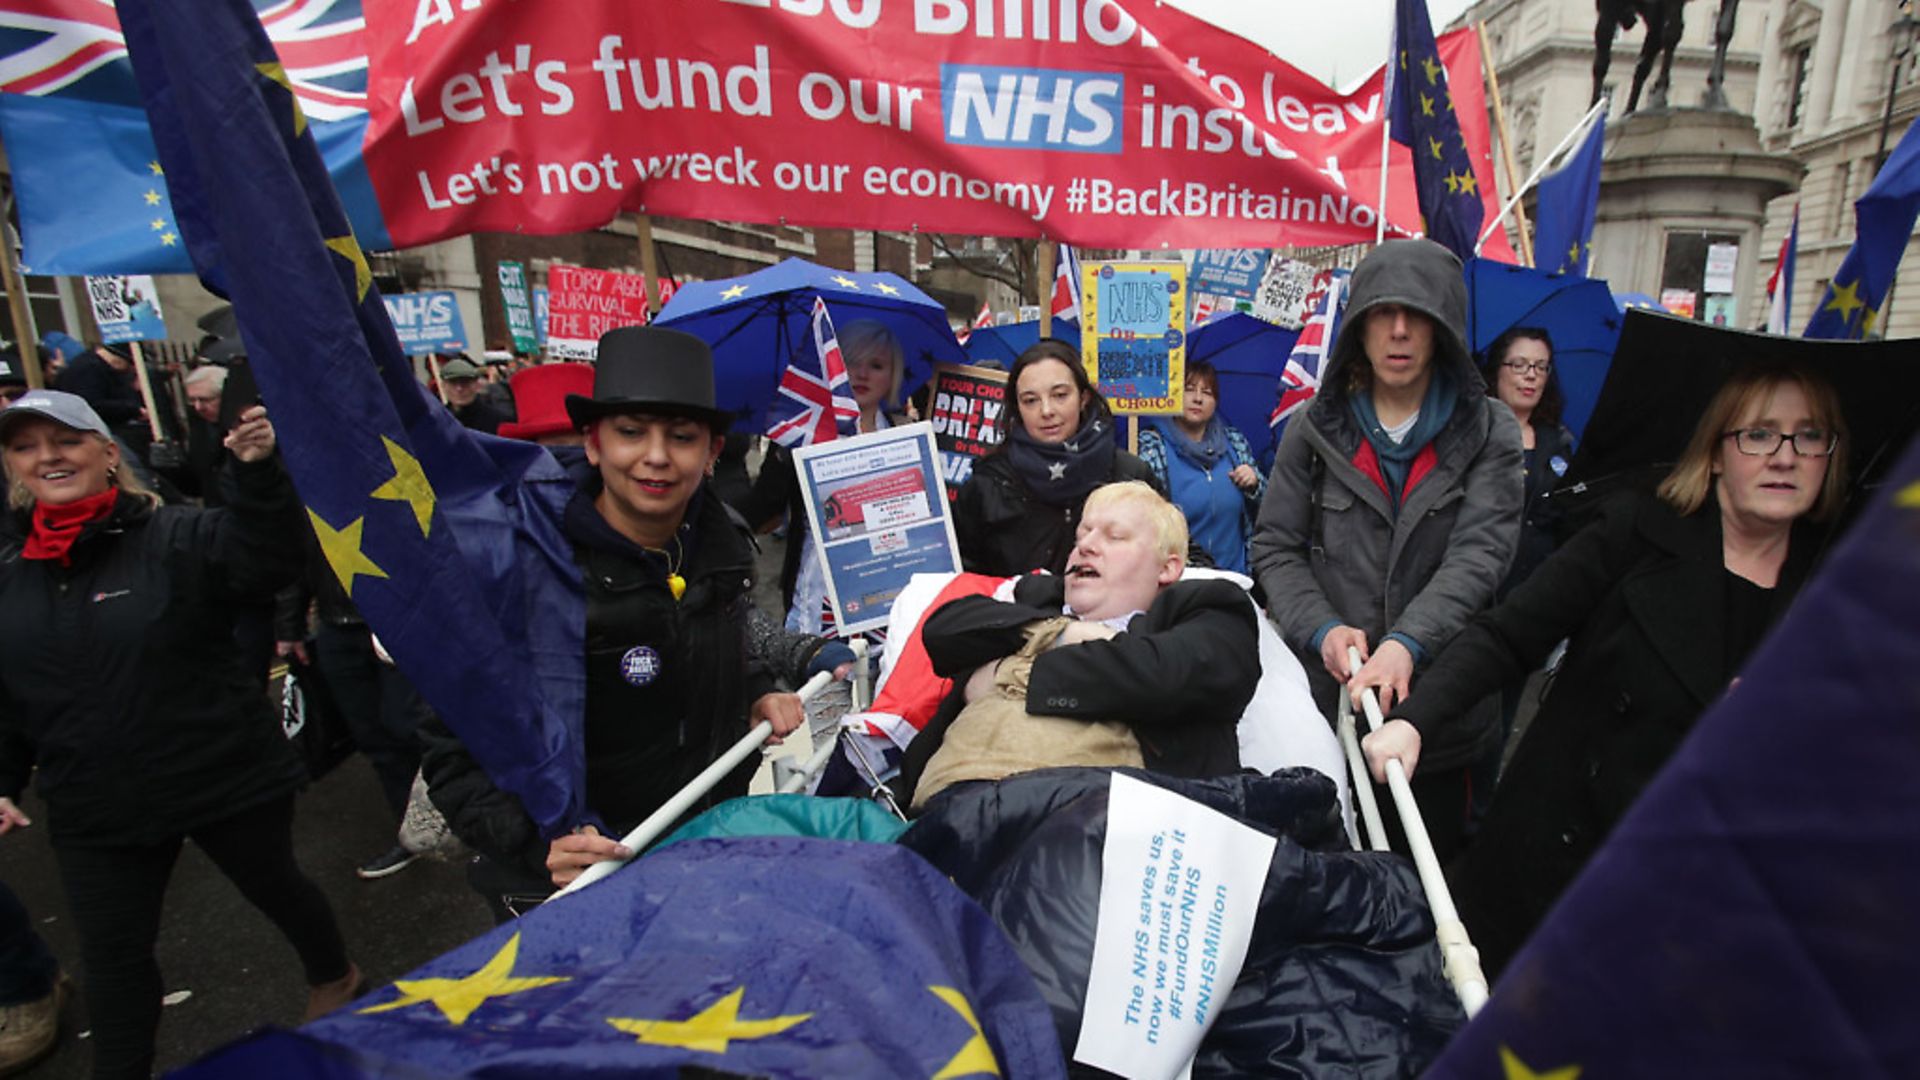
127 693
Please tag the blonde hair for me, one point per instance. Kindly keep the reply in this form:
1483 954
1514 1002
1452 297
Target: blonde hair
1169 524
865 337
1686 488
125 479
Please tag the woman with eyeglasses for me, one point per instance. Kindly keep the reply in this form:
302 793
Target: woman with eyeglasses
1663 598
1520 373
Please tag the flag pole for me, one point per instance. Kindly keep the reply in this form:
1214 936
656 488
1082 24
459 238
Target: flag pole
1386 145
1048 269
1506 139
1538 171
649 263
439 384
1386 128
1460 958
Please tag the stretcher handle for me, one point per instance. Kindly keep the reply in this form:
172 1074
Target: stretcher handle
697 788
1362 781
1461 959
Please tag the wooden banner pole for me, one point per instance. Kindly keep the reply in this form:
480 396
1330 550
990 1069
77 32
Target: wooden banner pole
649 263
146 391
1048 254
16 286
1506 143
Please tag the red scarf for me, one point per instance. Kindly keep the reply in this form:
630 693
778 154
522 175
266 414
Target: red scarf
55 528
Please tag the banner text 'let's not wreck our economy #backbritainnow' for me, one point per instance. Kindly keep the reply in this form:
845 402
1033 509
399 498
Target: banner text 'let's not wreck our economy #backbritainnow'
1096 122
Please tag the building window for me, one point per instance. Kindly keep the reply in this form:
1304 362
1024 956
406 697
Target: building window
1796 105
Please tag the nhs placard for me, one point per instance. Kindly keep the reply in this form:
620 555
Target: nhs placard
1032 108
427 322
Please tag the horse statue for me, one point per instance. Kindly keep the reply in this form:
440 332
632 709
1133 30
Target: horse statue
1663 22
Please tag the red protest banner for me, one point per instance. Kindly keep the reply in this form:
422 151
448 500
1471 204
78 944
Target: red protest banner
1100 122
582 304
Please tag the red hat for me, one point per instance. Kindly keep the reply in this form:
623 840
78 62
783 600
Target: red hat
540 397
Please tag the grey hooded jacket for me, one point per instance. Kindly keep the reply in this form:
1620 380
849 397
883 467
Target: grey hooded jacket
1328 547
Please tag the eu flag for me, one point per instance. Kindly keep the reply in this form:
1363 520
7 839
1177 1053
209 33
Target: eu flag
1883 223
1753 915
1569 198
1421 117
767 956
449 544
92 196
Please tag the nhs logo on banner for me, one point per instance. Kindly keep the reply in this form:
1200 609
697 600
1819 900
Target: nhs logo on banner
1032 108
427 322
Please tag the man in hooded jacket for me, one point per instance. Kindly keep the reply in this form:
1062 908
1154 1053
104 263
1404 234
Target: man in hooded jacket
1393 510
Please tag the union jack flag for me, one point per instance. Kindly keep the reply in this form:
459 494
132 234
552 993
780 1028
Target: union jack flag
816 397
1066 285
1301 379
980 321
74 48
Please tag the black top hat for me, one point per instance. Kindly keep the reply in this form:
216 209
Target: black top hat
649 369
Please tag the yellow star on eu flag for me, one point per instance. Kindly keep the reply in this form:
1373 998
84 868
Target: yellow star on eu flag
157 224
732 291
458 998
974 1058
1426 105
711 1029
886 288
168 239
844 282
154 168
1469 185
342 549
1573 257
1433 69
1908 497
348 248
152 197
1846 298
1436 146
1515 1069
275 72
1452 180
409 485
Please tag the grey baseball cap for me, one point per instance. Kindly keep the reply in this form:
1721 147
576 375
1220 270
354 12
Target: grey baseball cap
70 410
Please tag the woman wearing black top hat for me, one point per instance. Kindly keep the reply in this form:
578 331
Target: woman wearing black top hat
668 573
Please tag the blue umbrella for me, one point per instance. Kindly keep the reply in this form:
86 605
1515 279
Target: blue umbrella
756 322
1003 344
1579 313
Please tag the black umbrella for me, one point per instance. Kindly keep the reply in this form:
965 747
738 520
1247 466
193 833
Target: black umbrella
1667 368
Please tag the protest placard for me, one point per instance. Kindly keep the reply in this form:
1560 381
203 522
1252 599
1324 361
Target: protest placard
542 304
582 304
427 322
1179 888
1133 334
969 417
880 511
1234 273
513 297
126 309
1282 298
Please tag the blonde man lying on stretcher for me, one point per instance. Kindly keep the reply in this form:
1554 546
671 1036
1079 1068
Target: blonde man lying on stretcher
1116 662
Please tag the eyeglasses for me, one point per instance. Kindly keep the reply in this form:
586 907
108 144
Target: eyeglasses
1761 442
1528 367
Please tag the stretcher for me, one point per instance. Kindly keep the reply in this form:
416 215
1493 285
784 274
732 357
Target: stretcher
1282 728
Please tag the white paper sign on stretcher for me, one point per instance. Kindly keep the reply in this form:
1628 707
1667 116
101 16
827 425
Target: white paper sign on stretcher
1179 886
